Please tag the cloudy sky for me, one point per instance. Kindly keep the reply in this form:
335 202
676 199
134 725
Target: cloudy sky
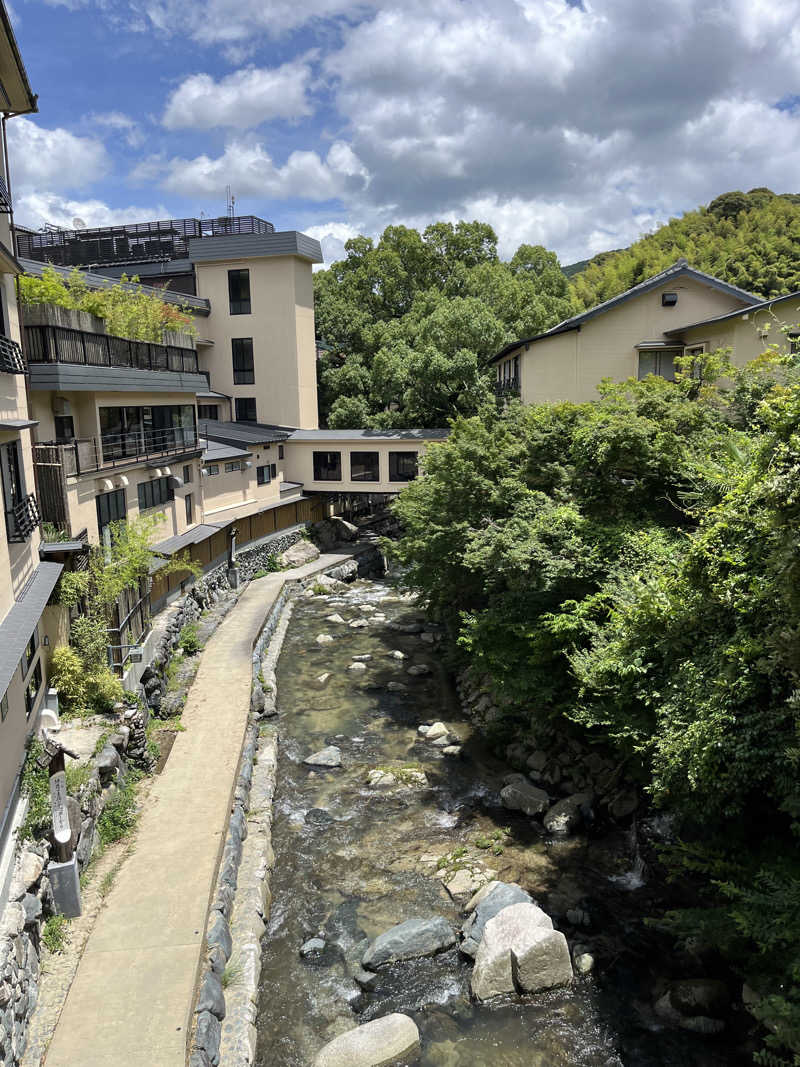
578 124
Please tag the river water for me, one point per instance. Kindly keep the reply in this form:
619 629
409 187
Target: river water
352 861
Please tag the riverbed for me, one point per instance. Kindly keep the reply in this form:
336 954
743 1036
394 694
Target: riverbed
353 860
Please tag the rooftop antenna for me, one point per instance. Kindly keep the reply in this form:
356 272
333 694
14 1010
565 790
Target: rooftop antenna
231 201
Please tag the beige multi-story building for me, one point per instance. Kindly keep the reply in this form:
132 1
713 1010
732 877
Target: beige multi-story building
642 331
26 582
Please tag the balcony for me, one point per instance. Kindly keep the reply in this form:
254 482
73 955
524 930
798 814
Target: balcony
507 387
58 344
11 361
5 197
111 451
22 519
165 239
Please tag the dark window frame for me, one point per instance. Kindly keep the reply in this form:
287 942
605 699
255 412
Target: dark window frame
204 409
271 472
155 493
106 498
249 400
238 283
659 364
187 474
233 465
370 463
188 504
212 469
33 687
243 361
326 469
395 472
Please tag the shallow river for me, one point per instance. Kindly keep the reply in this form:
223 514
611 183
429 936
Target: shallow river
352 861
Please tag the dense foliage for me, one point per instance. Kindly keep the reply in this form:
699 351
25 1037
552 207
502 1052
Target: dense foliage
128 312
748 239
630 568
411 321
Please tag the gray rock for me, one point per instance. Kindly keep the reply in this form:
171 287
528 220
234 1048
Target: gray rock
437 731
357 667
500 895
623 804
520 951
584 962
699 996
326 757
392 1039
525 797
108 763
312 947
298 555
220 935
32 907
211 997
368 980
199 1059
257 699
323 639
207 1036
409 940
537 760
566 815
30 869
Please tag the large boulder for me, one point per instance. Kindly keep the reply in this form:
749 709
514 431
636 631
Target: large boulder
393 1039
326 757
497 895
566 815
522 795
520 951
409 940
298 555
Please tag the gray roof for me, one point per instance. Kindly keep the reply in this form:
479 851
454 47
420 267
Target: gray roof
321 436
290 486
216 450
762 305
243 433
80 377
17 424
254 246
17 627
679 269
170 545
198 305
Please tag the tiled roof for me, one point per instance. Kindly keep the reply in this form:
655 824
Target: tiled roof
17 627
242 433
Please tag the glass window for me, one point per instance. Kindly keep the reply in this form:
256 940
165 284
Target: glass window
402 466
364 467
243 367
239 291
280 451
65 428
263 474
110 508
30 652
187 473
327 466
32 688
154 494
212 468
208 411
246 409
235 465
658 361
187 503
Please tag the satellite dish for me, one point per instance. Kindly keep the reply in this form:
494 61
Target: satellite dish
78 224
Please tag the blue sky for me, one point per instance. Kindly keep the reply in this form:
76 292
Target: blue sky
574 125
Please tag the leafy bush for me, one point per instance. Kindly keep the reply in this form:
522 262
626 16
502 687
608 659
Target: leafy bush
55 933
35 786
119 816
189 642
67 674
104 690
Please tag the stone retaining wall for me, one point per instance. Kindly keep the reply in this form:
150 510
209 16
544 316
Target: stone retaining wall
225 1029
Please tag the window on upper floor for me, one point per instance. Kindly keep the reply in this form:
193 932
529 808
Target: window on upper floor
327 466
266 473
155 493
239 291
29 653
110 508
364 467
32 688
243 366
246 409
669 300
212 468
234 465
280 451
208 411
187 473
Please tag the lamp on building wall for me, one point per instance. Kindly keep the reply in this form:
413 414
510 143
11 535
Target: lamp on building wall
106 485
122 481
176 482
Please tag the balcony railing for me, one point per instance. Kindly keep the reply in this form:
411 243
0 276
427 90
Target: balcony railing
11 360
164 239
115 450
22 519
507 387
58 344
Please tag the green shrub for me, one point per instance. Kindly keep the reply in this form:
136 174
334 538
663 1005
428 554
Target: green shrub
68 675
189 642
35 785
55 933
119 816
104 690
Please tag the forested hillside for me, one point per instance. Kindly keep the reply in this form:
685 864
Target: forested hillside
630 570
749 239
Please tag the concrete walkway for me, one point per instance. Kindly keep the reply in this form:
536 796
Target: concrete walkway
132 997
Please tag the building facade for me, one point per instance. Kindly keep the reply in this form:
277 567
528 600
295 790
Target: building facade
641 332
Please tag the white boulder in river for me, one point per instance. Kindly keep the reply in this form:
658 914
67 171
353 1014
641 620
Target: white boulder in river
393 1039
326 757
520 952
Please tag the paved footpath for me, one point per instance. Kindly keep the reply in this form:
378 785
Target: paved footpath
132 997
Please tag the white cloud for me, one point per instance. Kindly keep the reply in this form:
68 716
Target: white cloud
56 160
124 126
36 209
241 100
250 171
